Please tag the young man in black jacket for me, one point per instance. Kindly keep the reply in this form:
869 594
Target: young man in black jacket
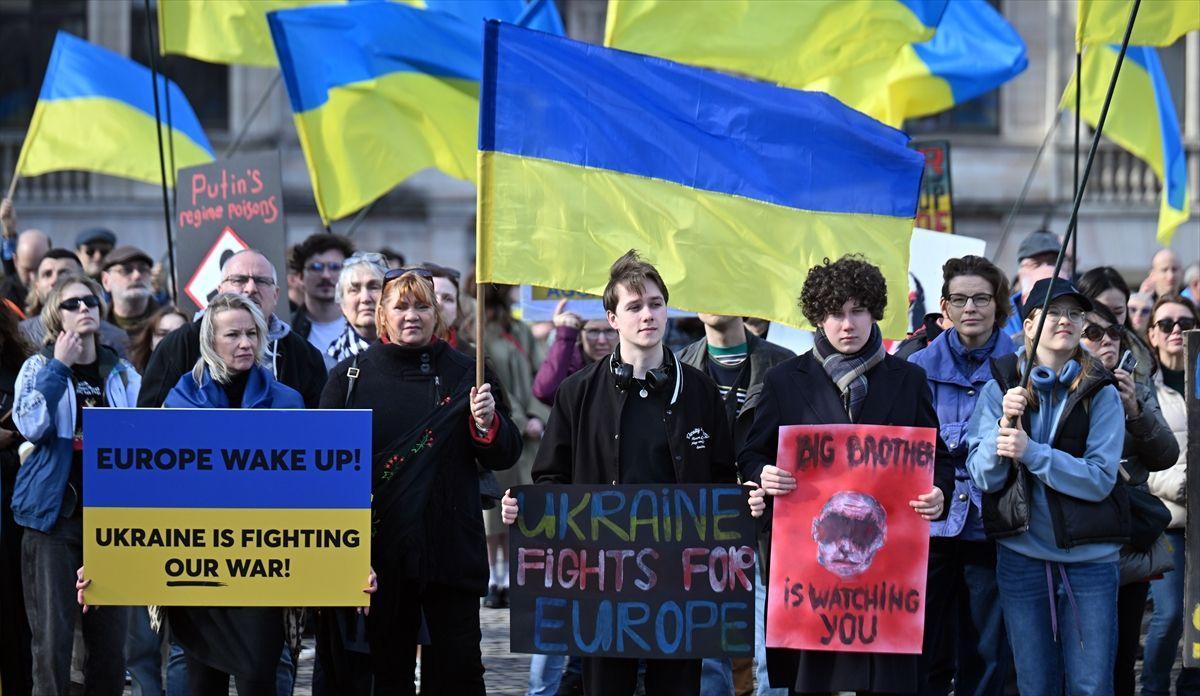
638 416
293 361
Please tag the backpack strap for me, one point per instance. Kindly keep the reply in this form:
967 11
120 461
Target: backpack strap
351 381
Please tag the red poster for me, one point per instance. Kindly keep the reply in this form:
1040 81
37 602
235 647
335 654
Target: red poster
848 554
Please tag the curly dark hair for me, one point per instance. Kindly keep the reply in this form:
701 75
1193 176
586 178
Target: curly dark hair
319 243
832 284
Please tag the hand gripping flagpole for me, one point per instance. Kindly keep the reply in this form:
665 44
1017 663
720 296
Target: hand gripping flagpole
162 160
1073 222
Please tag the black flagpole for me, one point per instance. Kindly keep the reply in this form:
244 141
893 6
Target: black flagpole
1078 121
1073 222
162 160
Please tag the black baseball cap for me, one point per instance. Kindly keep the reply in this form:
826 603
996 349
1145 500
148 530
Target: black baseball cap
1055 288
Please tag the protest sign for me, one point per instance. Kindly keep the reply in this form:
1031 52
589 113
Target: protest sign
848 554
226 507
632 571
935 207
538 303
240 196
1191 584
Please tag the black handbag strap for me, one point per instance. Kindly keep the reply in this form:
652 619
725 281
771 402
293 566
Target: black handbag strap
351 381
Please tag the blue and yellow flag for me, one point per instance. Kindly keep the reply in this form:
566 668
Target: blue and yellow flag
733 188
1159 22
236 31
974 51
788 43
96 113
1141 119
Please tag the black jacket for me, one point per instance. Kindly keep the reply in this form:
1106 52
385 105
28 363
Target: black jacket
1006 512
763 355
581 440
403 387
301 322
799 392
1149 443
296 364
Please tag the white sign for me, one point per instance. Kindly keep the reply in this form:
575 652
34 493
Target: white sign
203 285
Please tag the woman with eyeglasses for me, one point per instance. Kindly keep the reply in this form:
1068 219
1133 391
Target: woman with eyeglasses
1046 458
1171 316
1149 446
577 344
429 427
71 372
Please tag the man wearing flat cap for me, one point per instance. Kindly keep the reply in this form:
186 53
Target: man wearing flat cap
92 246
126 277
1035 259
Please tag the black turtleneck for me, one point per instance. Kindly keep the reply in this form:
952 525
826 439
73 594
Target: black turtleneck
236 388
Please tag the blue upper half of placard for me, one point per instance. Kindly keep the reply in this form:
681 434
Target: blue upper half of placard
78 70
112 438
552 98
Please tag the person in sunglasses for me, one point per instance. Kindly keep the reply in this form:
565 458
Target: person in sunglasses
72 371
962 607
291 359
1103 285
1171 316
320 259
1149 446
430 425
1047 457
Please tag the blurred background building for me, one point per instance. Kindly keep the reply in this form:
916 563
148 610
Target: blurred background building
994 140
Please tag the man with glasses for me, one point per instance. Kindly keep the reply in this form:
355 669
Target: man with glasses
126 278
963 606
1036 257
293 360
92 246
319 259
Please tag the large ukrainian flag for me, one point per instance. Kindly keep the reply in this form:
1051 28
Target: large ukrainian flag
1141 119
96 113
236 31
1159 22
974 51
379 92
786 42
733 188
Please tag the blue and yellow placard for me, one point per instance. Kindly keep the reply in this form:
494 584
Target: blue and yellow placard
226 507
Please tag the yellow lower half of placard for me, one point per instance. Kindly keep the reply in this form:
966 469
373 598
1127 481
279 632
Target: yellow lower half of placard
226 557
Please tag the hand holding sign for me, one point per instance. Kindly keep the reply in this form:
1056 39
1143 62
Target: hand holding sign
776 481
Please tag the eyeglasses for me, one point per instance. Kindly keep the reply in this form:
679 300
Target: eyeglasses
416 270
597 334
1095 332
322 266
371 257
1055 314
123 269
1168 325
239 281
980 301
72 304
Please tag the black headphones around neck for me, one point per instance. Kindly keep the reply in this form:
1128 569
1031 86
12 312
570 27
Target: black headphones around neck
656 379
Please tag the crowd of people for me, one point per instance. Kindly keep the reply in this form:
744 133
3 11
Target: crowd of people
1057 510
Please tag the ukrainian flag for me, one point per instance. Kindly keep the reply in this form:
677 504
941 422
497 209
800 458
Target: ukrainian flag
1159 22
974 51
733 188
788 43
96 113
236 31
1141 119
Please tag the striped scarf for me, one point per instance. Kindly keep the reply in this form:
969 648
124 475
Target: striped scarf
849 372
347 345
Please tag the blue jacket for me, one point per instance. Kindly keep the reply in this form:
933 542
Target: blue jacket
262 391
954 397
44 413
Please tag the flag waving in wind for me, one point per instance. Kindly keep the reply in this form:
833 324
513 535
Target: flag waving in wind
1141 119
1159 22
733 188
96 113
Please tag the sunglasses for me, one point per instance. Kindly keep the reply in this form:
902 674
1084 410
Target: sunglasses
1168 325
416 270
1095 332
320 266
74 303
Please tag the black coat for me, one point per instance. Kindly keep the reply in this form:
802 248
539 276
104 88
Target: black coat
799 392
403 387
297 364
581 445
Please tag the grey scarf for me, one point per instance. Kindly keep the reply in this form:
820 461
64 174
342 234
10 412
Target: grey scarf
849 372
